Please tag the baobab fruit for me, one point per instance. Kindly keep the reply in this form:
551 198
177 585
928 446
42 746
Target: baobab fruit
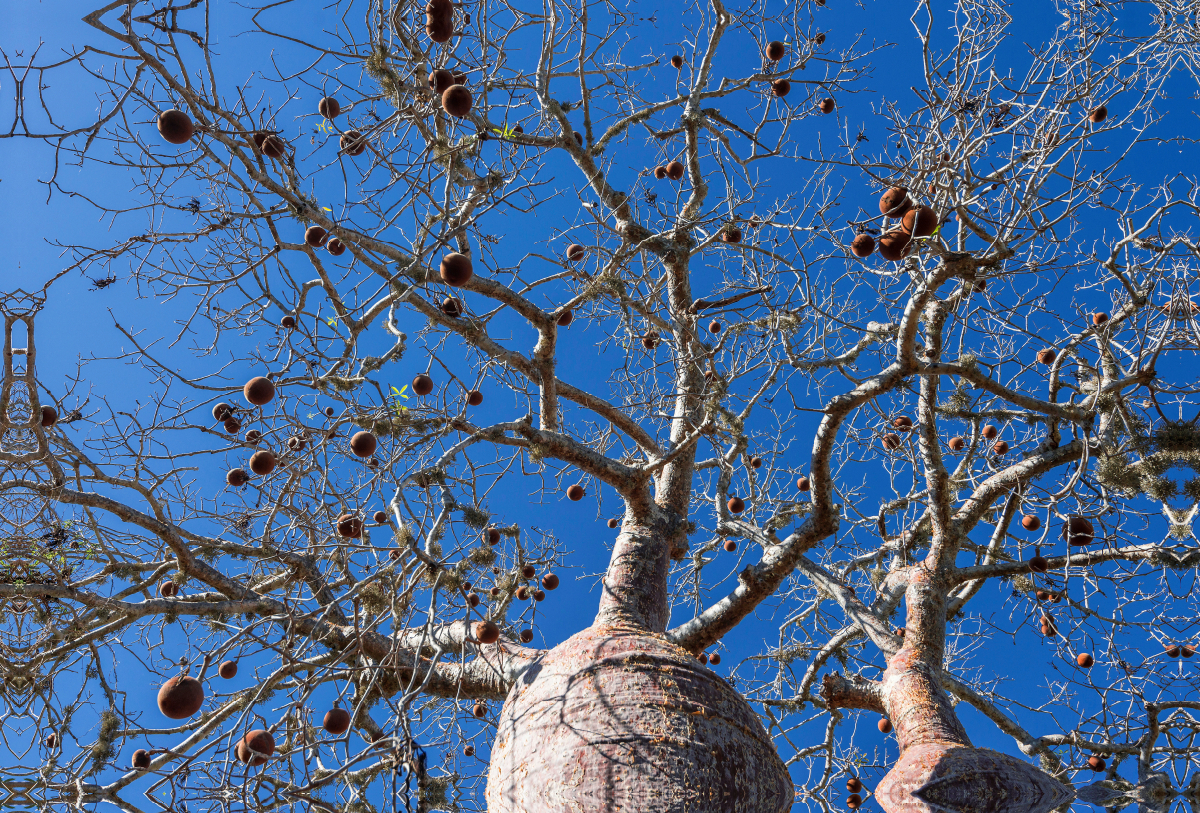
528 572
736 505
819 39
901 631
180 697
714 327
1042 595
232 425
826 106
522 593
674 170
486 632
329 412
352 143
270 145
854 801
253 436
957 444
1098 115
329 107
804 484
1096 763
457 100
315 236
1099 318
884 725
494 592
614 522
227 669
262 462
919 221
732 235
452 307
468 750
296 443
259 391
539 595
480 710
474 398
349 526
756 462
903 423
714 659
1000 447
1049 628
363 444
575 252
51 740
1038 564
576 493
863 245
550 581
660 172
49 417
893 245
781 87
677 62
456 269
702 657
439 20
650 340
776 51
141 760
1187 650
1085 660
168 589
894 202
891 441
493 536
730 546
1078 530
526 636
255 748
1030 522
564 318
473 599
441 80
1046 356
221 411
990 432
288 322
853 784
175 126
578 138
422 384
337 721
1172 650
236 477
335 247
380 517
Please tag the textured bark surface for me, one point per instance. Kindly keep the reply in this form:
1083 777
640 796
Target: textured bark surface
618 719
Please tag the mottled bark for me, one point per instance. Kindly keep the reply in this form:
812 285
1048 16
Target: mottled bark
635 585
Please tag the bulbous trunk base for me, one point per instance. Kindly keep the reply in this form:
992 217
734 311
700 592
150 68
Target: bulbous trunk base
943 778
619 719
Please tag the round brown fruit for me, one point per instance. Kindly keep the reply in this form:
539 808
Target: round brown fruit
675 170
884 725
262 462
221 411
1078 530
730 546
522 593
1099 318
660 172
576 492
614 522
990 432
1038 564
756 462
288 322
255 748
564 318
441 80
457 100
175 126
337 721
1187 650
539 595
232 425
363 444
1172 650
804 484
474 398
422 384
236 477
550 581
781 87
493 536
1046 356
227 670
141 760
526 636
352 143
893 245
480 710
168 589
329 107
650 340
575 252
714 327
335 247
776 50
854 801
473 599
270 145
486 632
714 659
732 235
1085 660
1000 447
1030 522
1098 115
349 526
863 245
853 784
180 697
452 307
677 62
891 441
1096 763
903 423
895 202
468 750
827 106
253 436
315 236
736 505
919 221
259 391
49 417
379 517
456 269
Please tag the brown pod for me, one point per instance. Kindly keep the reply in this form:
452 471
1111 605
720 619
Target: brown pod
457 100
854 801
776 51
1099 318
1096 763
1078 530
576 492
736 505
329 107
1030 522
474 398
903 423
253 436
259 391
526 636
180 697
262 462
614 522
1049 628
714 327
175 126
714 659
473 599
539 595
255 748
379 517
894 202
352 143
730 546
1187 650
660 172
920 221
168 589
528 572
1000 447
675 170
1084 660
422 384
803 484
236 477
1038 564
827 106
221 411
575 252
1098 115
337 721
439 20
49 417
884 725
863 245
650 340
452 307
335 247
141 760
493 536
550 581
990 432
486 632
957 444
288 322
270 145
441 80
893 245
732 235
565 318
1172 650
479 710
1046 356
853 784
781 87
522 592
349 526
227 670
51 740
232 425
756 462
363 444
315 236
456 269
891 441
296 443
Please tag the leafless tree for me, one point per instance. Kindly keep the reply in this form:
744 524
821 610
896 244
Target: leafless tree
894 461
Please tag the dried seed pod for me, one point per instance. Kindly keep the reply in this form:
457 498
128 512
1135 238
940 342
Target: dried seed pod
894 244
920 221
452 307
613 523
677 61
457 100
660 172
1046 356
168 589
236 477
650 340
180 697
493 536
288 322
895 202
253 436
175 126
1098 115
736 505
262 462
1099 318
565 318
335 247
526 636
781 87
550 581
1000 447
827 106
576 492
863 245
259 391
456 269
228 670
884 725
575 252
422 384
49 417
380 517
803 484
1084 660
353 143
675 170
891 441
903 423
730 546
441 80
349 526
990 432
1038 564
232 425
363 444
255 748
315 236
329 107
474 398
141 760
337 721
776 51
1078 530
957 444
1030 522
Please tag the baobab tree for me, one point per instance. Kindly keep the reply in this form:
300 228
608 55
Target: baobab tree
888 402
